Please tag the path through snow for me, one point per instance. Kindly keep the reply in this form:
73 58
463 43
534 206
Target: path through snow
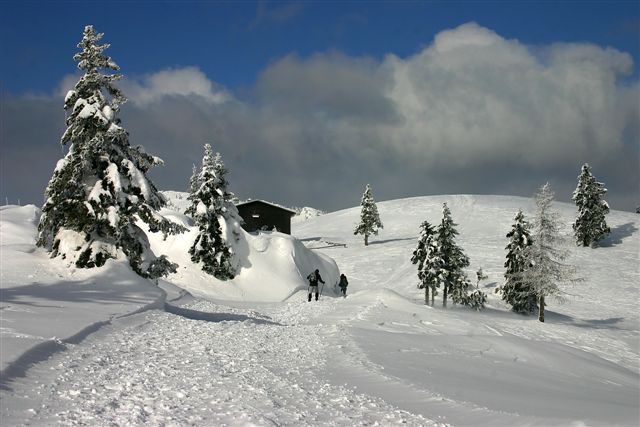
159 368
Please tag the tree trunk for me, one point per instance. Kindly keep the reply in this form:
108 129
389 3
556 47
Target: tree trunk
541 310
444 295
433 296
426 295
366 240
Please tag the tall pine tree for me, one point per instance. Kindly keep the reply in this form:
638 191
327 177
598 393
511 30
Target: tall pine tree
515 292
590 225
430 264
544 258
100 189
419 254
210 206
456 283
369 218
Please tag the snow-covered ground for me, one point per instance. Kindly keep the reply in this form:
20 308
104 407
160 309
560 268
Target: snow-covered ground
377 357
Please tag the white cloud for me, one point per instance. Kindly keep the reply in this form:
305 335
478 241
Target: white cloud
471 112
187 81
150 88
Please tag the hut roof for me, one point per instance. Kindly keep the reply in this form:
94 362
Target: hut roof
249 202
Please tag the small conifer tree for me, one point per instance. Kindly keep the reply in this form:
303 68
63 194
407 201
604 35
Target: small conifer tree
419 254
515 292
426 255
210 205
456 283
369 218
100 189
590 225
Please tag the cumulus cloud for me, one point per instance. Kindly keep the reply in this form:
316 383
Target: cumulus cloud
472 112
189 81
173 82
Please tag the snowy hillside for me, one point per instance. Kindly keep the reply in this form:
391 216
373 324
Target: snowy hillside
237 354
46 304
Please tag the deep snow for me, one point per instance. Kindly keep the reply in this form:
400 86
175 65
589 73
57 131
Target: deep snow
377 357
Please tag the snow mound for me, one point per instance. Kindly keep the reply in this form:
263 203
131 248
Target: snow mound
272 266
305 213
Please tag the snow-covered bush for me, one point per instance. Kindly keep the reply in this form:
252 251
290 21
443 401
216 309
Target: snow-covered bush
476 299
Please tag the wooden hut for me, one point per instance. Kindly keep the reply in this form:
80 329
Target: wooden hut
261 215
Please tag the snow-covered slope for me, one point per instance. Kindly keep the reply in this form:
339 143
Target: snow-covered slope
45 304
581 365
378 357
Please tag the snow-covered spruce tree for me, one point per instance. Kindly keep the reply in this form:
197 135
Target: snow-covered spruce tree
515 292
193 185
369 217
590 225
455 281
543 258
210 204
429 262
426 231
100 189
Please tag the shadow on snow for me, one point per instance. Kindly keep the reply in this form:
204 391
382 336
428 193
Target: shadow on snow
215 317
618 234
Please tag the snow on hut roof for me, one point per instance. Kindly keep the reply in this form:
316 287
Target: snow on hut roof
248 202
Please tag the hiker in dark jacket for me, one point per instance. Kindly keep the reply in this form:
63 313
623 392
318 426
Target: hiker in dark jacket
343 284
314 278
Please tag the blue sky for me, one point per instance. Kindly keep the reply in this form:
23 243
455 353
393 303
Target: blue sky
310 101
233 41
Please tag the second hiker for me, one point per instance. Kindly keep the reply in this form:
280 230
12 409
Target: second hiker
343 284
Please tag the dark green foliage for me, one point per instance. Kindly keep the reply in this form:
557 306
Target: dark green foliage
210 203
454 259
100 189
590 226
431 266
420 253
369 217
515 291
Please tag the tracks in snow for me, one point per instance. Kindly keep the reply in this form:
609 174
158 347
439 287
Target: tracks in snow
232 367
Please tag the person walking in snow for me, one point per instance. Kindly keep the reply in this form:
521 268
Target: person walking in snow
343 285
314 278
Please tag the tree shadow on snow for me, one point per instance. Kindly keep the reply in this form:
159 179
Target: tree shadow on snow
557 318
609 323
618 234
74 292
215 317
380 242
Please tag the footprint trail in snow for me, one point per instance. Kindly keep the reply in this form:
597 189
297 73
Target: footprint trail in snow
164 369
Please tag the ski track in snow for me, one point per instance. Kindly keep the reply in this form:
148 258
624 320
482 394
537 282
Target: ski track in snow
165 369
